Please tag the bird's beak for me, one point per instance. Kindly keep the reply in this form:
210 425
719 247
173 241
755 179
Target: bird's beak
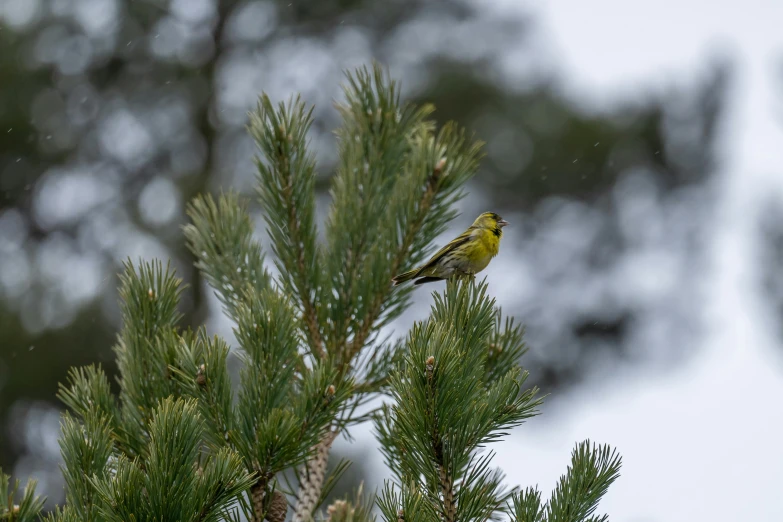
502 223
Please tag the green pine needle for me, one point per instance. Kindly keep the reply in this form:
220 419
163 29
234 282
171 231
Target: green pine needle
201 372
593 469
220 237
173 481
89 390
147 346
527 506
286 189
443 412
86 450
14 509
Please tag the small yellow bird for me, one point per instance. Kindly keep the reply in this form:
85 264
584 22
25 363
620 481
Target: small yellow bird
466 255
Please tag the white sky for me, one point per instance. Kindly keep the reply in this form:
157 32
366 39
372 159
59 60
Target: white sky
703 442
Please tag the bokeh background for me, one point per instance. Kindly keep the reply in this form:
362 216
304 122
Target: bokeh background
636 148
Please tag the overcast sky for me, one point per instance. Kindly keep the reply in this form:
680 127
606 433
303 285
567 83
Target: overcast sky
703 442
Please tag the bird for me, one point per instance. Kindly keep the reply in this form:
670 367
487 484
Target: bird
466 255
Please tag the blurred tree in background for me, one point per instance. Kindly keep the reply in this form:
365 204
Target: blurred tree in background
114 113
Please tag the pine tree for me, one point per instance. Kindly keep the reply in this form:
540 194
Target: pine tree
181 442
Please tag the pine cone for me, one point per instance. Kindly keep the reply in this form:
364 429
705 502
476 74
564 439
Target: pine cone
278 508
201 379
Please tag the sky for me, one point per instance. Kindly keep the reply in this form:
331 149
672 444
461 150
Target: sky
704 436
701 441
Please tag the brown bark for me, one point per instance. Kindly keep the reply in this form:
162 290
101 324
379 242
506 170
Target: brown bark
257 494
447 488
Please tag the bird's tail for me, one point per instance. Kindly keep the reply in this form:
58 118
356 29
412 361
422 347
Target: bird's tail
405 276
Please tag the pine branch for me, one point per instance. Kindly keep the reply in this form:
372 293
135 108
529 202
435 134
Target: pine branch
373 145
402 253
593 469
221 238
389 158
527 506
172 481
447 493
86 450
146 348
445 476
268 428
505 347
443 412
202 373
283 410
29 507
405 503
326 407
313 473
287 191
436 169
89 393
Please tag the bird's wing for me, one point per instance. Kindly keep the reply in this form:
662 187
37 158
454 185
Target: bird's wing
448 247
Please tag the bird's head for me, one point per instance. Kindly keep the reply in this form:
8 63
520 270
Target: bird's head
490 221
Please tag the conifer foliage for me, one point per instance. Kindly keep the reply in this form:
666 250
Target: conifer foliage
182 442
29 505
457 391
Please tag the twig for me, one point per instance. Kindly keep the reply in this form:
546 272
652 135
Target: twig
447 489
369 319
310 317
314 473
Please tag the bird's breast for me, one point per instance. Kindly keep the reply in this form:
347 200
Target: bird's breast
491 243
480 251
